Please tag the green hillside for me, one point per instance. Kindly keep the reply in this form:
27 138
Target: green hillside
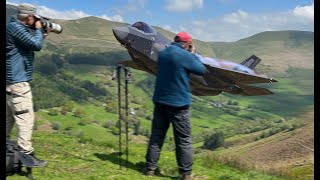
76 104
279 50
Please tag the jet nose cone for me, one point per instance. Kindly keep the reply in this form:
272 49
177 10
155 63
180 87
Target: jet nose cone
120 33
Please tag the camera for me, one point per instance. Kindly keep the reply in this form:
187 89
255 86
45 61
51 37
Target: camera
190 47
56 28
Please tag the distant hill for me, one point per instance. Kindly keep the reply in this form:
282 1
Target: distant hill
278 50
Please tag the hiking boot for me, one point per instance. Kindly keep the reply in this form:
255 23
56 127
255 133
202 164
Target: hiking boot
185 177
148 172
37 162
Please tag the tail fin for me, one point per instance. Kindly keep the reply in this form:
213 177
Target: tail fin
251 62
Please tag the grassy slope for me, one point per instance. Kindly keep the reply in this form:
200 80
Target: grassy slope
70 159
290 153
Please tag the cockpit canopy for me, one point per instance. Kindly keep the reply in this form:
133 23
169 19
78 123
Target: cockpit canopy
143 27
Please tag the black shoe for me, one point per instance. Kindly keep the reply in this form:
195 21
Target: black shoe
148 172
37 162
185 177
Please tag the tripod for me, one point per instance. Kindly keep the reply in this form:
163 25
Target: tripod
127 75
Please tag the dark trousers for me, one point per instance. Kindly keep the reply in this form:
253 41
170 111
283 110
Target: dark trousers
163 115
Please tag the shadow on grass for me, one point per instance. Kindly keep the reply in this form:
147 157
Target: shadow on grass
23 172
114 158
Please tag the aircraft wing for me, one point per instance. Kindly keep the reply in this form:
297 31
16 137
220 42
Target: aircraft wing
132 64
205 92
231 76
253 91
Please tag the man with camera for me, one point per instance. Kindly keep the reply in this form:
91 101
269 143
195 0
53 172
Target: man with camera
172 99
24 35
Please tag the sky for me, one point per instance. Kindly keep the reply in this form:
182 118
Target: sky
207 20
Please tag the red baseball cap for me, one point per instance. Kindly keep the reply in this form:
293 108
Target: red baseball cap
183 37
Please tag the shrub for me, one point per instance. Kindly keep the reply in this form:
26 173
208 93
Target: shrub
271 132
79 113
117 124
68 107
263 135
96 121
146 133
53 112
284 127
214 141
80 134
114 130
70 125
56 126
84 140
47 68
149 117
108 124
295 126
84 121
112 106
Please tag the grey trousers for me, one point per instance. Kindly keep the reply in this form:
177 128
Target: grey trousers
163 115
19 110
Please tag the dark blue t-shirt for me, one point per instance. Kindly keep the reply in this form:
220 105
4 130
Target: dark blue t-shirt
172 82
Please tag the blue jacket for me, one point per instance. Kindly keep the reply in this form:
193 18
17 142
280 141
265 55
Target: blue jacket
20 44
172 82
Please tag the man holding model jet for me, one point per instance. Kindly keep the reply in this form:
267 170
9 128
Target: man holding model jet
172 99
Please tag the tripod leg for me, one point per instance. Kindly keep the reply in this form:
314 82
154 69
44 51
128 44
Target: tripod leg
126 118
119 111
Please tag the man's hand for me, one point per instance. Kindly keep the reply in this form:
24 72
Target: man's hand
47 32
38 25
193 49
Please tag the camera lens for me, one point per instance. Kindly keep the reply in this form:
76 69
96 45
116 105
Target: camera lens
56 28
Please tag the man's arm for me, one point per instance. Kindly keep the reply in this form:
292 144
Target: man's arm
194 65
24 38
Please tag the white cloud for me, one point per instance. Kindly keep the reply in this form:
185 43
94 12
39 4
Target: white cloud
236 17
135 5
132 6
12 3
183 5
241 24
117 18
67 15
304 11
54 14
169 28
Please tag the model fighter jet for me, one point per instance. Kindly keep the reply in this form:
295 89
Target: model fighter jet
144 43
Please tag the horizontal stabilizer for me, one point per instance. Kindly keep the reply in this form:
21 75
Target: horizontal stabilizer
251 62
237 77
